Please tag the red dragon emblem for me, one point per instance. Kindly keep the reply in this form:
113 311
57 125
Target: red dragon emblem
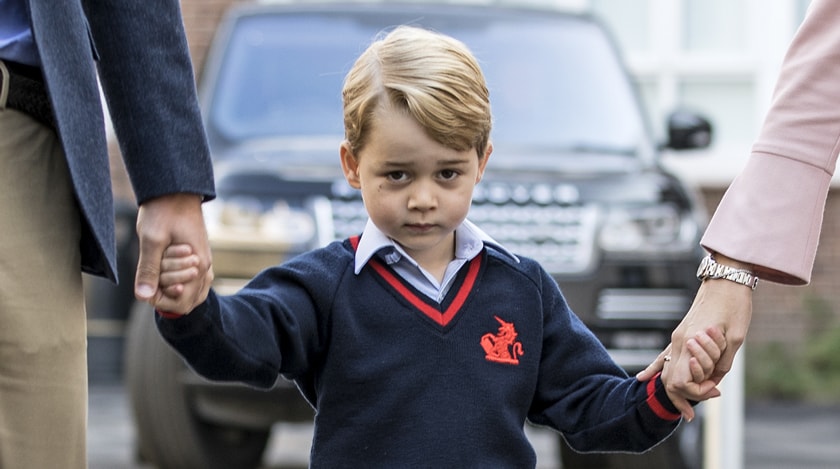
502 347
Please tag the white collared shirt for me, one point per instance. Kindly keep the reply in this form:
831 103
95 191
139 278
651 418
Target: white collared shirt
469 241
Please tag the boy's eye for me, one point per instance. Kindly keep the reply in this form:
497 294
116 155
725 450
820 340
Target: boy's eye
396 176
448 174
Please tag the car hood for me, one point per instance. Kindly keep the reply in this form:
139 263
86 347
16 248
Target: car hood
315 167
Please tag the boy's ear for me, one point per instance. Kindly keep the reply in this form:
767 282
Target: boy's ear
482 162
350 165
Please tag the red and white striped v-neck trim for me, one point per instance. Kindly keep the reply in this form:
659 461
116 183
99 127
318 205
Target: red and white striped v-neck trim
442 318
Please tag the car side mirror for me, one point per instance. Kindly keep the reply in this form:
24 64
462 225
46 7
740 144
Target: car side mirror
688 130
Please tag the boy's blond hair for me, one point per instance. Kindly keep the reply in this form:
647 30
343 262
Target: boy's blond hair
432 77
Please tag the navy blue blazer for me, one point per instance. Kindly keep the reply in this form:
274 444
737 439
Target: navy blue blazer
140 50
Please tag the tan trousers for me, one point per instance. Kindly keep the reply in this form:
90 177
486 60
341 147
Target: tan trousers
43 365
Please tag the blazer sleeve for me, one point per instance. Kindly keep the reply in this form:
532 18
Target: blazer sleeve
149 85
771 215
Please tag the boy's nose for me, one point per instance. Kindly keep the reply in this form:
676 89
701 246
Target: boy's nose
422 197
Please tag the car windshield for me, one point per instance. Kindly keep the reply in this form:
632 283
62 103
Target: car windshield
555 83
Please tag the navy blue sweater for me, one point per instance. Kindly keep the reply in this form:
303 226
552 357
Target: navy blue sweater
399 380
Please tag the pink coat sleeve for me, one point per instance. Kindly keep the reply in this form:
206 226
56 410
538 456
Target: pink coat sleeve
772 213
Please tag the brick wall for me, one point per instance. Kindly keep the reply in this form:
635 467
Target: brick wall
200 20
787 314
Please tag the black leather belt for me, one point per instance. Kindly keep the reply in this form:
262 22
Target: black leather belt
27 92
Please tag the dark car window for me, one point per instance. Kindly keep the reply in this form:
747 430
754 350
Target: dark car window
554 83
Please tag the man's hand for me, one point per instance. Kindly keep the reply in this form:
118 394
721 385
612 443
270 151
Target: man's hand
162 222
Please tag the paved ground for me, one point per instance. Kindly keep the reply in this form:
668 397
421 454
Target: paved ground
777 436
791 436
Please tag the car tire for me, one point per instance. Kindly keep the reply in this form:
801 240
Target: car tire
169 432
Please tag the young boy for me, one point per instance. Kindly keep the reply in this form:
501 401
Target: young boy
422 342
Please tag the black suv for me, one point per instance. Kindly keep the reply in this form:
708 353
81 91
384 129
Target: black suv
574 182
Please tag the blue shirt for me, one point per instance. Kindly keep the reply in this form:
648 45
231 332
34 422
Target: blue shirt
469 241
16 41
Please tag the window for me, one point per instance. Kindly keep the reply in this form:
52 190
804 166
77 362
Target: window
714 26
629 20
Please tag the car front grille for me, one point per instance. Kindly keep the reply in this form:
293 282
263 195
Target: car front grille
348 217
643 304
560 237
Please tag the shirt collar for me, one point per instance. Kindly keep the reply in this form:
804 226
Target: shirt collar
470 240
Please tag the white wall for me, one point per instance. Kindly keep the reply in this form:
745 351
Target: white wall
719 57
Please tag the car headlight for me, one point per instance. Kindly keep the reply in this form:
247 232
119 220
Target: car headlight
248 223
660 228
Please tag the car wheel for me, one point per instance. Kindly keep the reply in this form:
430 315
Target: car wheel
169 432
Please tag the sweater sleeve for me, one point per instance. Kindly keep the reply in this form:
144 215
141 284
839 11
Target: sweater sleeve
789 171
213 346
273 326
586 396
647 419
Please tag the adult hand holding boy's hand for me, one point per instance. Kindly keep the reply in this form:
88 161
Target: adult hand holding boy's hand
720 304
702 353
162 222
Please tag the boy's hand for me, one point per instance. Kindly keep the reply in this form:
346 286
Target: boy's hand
166 221
706 348
178 267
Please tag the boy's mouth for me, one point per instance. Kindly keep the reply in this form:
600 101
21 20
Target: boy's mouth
420 227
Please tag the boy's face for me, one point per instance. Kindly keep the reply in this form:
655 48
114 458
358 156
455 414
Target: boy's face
415 190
